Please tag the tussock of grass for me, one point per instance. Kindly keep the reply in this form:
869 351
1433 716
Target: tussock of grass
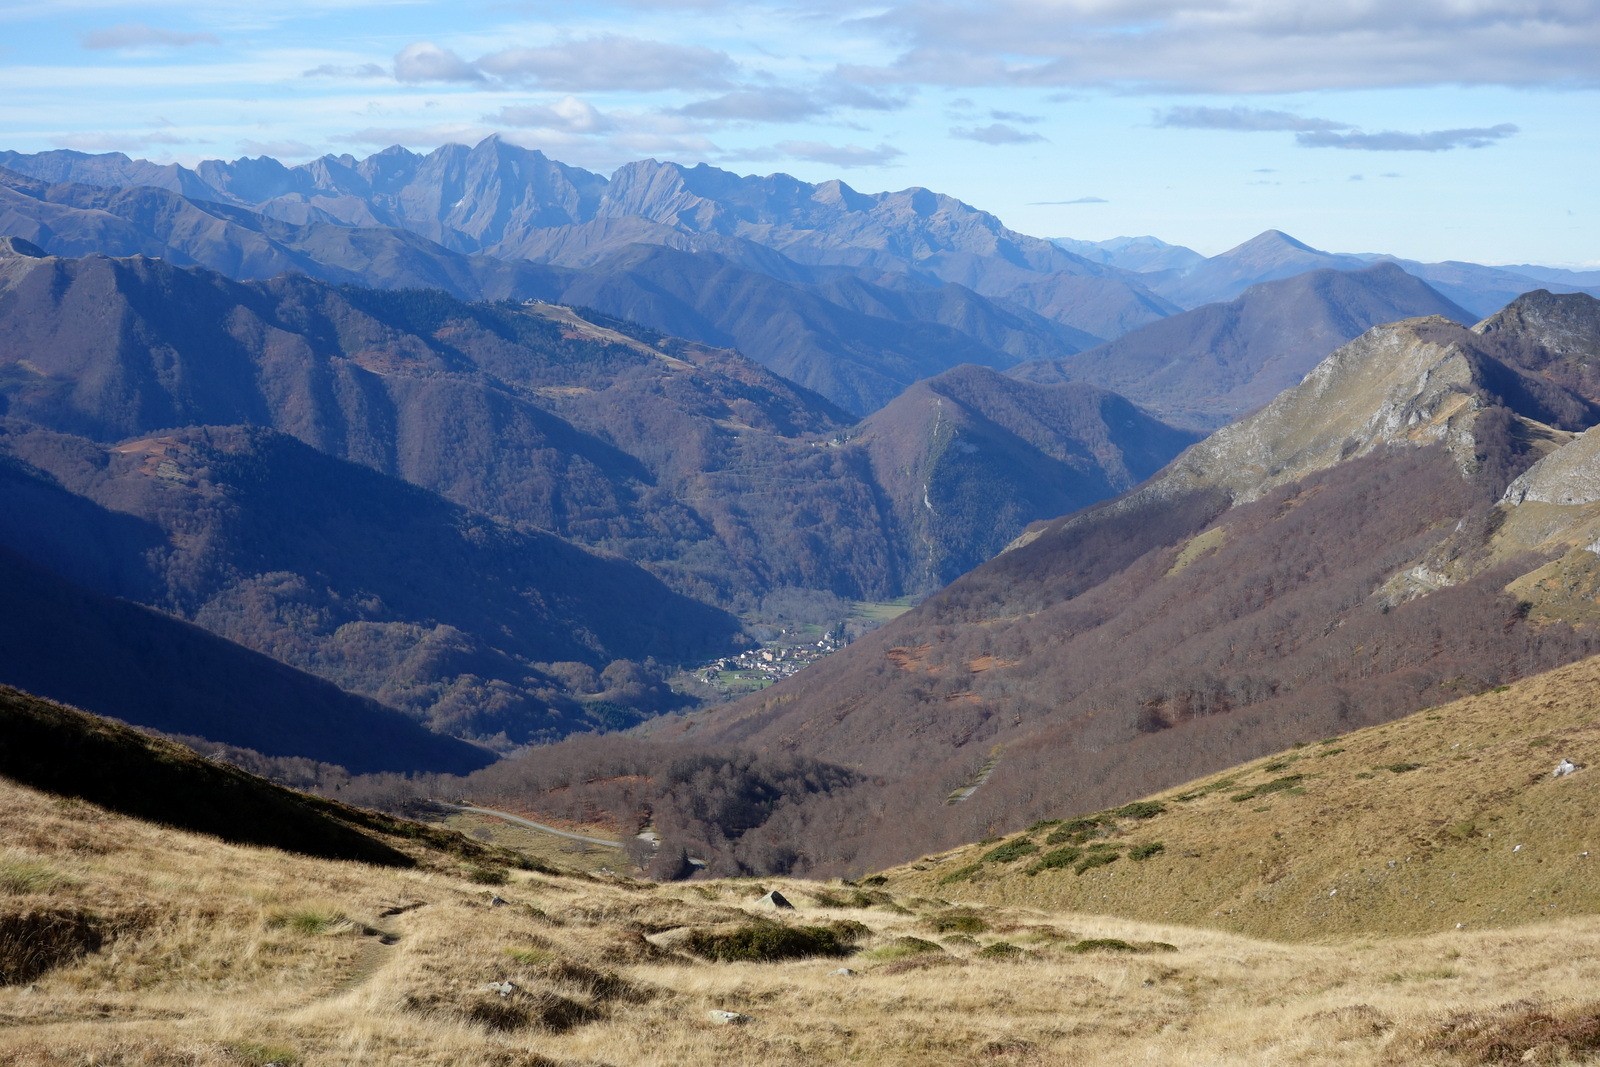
1001 950
900 948
958 921
258 1055
769 942
34 940
19 876
309 921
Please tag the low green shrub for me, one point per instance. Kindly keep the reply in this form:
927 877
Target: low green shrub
1010 852
1056 859
1146 850
961 874
767 942
484 875
1116 944
1095 859
1140 809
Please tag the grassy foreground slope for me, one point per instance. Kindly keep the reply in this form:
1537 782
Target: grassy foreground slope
1450 816
126 942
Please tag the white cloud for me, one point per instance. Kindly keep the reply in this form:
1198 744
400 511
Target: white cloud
781 103
996 133
1240 46
1397 141
612 62
136 35
427 62
568 114
1244 119
1326 133
842 156
333 70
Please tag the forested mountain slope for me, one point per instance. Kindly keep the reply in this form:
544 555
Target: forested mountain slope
721 477
470 626
1274 584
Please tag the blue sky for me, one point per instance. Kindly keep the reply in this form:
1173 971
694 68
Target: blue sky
1433 129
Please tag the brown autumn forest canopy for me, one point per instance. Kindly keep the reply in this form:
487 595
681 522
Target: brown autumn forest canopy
718 476
1152 639
238 454
1107 682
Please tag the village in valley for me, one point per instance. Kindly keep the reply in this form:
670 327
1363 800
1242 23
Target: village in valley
758 668
784 650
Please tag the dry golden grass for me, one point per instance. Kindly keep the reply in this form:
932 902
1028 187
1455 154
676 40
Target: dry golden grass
1450 816
213 954
231 955
546 848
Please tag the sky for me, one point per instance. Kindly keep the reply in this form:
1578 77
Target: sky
1430 129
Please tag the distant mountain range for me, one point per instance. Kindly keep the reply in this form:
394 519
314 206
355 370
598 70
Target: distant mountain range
1190 280
1206 367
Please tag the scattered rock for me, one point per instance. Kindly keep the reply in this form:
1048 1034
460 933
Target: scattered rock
776 901
1564 768
496 901
505 989
842 972
727 1018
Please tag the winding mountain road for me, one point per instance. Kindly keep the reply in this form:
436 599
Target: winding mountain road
529 823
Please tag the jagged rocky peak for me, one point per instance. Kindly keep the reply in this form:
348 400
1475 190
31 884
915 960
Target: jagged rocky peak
1419 382
1407 381
1563 325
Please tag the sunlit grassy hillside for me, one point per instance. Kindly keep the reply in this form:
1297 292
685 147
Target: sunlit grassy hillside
125 942
1450 817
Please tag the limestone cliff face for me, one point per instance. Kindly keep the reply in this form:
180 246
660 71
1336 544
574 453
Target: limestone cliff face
1407 382
1569 476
